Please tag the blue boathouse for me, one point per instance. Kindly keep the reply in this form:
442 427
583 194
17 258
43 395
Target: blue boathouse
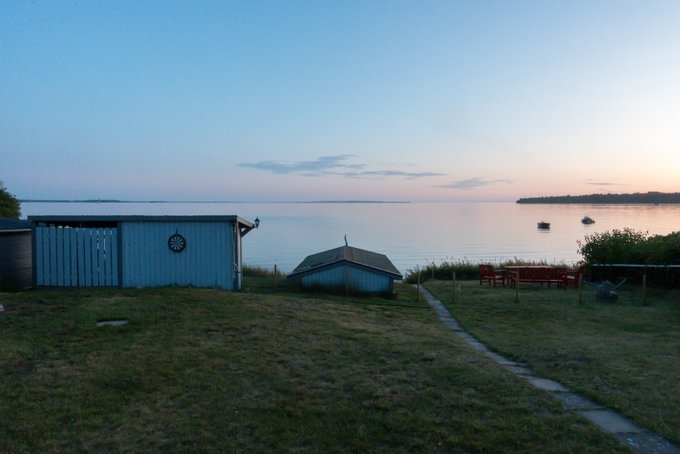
138 251
347 269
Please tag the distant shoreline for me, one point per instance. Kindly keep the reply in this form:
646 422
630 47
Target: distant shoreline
208 201
647 198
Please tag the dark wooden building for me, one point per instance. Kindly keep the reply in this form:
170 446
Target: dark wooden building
16 265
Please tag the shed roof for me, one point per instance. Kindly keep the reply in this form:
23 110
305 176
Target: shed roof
90 220
14 224
369 259
137 217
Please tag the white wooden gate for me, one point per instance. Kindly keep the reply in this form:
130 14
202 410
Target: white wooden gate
76 257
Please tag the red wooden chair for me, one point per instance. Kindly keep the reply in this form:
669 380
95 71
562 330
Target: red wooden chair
489 274
574 276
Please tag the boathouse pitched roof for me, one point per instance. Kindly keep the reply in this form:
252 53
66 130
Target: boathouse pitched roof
368 259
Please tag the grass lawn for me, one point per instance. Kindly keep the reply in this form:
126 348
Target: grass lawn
622 354
213 371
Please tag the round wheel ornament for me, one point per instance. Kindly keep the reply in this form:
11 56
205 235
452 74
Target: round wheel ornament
177 243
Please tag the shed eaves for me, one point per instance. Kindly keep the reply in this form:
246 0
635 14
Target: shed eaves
98 220
14 224
350 254
137 217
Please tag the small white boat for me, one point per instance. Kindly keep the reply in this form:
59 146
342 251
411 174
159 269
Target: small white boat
588 220
544 225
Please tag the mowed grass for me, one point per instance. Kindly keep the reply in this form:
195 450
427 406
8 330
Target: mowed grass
622 354
205 370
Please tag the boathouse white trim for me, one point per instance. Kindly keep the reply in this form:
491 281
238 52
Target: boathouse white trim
138 251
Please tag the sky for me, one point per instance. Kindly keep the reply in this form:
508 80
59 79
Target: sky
324 100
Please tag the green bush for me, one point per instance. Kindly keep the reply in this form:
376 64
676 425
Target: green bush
631 247
617 246
664 250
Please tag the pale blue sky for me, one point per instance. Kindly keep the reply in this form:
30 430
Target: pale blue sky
271 101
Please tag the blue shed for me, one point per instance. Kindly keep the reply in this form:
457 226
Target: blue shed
138 251
347 269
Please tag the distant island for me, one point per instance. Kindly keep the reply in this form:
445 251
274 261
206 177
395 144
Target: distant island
636 198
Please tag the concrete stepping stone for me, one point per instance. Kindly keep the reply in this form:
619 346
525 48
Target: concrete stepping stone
573 401
516 369
478 346
451 323
544 383
498 359
610 421
648 443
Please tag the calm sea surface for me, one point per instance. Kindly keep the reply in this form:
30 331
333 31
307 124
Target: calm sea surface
410 234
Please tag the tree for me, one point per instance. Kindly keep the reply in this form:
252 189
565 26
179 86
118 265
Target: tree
9 205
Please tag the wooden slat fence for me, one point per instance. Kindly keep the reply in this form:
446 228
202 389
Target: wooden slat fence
76 257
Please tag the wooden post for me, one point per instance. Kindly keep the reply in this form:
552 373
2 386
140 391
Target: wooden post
275 273
580 288
453 289
644 289
517 287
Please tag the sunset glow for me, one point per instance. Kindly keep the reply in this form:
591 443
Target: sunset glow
434 101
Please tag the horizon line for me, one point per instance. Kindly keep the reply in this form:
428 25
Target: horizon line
202 201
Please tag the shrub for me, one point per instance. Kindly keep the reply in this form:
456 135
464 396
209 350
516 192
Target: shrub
630 247
617 246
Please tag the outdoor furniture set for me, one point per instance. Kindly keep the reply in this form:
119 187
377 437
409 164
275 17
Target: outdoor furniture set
510 275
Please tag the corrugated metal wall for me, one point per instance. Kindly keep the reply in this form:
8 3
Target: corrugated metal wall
358 279
76 257
207 260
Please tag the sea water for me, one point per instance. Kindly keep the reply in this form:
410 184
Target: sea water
410 234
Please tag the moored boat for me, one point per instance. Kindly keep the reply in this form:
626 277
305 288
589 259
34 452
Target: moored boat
543 225
588 220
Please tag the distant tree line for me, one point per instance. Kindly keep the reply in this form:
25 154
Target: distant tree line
638 197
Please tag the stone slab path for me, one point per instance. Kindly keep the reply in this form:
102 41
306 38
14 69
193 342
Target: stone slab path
626 431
